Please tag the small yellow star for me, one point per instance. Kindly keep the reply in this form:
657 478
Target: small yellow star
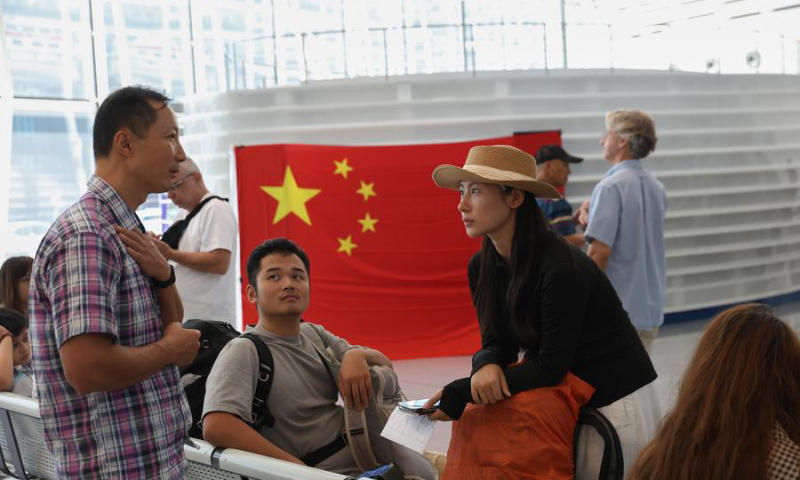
342 168
368 223
346 245
291 198
367 189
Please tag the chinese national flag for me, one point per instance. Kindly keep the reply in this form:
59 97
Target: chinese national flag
387 246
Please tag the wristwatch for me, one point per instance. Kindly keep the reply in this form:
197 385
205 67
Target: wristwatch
165 283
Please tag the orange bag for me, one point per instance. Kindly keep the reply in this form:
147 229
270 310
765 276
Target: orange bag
526 436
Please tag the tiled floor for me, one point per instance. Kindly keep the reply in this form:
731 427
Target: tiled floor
672 351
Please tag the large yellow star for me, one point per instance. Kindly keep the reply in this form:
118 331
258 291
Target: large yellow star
342 168
346 245
291 198
367 189
368 223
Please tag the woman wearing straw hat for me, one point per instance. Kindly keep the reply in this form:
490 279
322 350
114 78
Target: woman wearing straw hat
536 293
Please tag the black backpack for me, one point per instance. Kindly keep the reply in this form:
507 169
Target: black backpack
213 337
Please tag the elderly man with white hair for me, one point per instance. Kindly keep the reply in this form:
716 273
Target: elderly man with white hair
624 221
202 245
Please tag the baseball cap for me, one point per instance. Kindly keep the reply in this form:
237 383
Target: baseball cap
552 152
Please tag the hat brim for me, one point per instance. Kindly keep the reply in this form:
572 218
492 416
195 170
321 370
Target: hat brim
451 176
571 159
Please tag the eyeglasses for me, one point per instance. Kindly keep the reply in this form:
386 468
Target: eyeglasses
180 182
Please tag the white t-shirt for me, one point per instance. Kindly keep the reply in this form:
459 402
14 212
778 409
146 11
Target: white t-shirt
208 296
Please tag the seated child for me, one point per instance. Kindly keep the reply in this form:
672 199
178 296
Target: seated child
16 375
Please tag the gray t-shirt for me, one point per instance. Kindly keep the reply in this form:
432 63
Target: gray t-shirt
302 398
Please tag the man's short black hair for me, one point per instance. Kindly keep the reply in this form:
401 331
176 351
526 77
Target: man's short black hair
128 107
13 321
273 245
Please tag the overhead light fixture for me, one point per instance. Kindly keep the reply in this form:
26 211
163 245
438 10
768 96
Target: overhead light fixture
753 59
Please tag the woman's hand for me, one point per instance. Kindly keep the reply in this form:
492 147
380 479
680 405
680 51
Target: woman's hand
438 415
355 384
488 385
144 251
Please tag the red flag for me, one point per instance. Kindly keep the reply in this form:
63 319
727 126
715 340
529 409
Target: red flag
387 247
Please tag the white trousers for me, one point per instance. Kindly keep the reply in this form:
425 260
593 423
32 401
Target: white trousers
635 418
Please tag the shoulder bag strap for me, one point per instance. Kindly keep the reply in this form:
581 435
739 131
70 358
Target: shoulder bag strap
200 206
355 422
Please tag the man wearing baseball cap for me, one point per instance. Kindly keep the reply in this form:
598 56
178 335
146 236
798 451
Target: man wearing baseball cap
552 166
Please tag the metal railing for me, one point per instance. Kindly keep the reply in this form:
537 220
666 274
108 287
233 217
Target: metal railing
293 59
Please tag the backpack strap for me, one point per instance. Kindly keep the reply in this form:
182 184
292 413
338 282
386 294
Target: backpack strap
266 368
200 206
174 233
355 422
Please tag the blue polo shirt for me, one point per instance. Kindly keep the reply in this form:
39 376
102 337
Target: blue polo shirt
627 213
558 214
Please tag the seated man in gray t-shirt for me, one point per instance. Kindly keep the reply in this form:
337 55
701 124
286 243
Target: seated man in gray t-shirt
303 395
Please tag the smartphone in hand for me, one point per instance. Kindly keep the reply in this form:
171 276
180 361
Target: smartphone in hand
415 406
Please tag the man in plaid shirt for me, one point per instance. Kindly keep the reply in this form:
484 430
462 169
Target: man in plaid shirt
105 315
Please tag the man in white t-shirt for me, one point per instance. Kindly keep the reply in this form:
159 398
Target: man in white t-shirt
206 249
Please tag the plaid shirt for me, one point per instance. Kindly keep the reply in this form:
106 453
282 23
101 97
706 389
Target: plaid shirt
83 281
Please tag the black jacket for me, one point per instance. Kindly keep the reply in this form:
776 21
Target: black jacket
583 329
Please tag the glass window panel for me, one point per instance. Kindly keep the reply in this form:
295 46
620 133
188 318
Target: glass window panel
263 70
232 20
488 47
49 49
224 27
325 56
367 51
362 15
433 12
435 49
525 46
112 62
51 159
148 44
588 11
588 46
299 16
291 69
142 17
252 64
373 35
555 45
212 79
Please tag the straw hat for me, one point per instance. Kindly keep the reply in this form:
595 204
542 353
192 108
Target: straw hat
497 164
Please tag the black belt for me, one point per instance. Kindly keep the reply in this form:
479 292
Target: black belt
323 453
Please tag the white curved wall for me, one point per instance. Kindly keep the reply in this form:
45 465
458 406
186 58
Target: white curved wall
728 151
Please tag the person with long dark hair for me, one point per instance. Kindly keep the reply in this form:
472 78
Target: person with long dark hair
737 414
533 292
15 279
